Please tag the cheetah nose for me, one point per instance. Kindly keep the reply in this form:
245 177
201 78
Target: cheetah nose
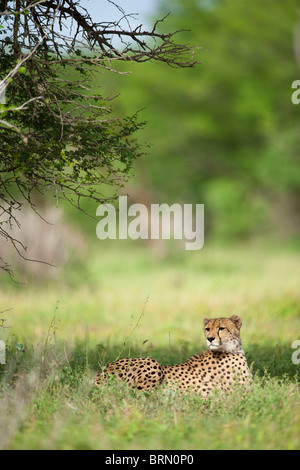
210 339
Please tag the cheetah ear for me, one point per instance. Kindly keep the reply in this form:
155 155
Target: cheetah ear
205 321
236 320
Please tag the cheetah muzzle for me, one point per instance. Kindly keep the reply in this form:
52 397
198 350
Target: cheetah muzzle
220 367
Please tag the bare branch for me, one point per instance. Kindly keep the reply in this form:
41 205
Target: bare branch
27 8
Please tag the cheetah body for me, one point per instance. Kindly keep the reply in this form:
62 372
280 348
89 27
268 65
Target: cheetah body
207 371
220 367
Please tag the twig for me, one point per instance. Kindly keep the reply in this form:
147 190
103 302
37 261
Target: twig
133 330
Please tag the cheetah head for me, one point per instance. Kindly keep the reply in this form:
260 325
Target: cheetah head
223 334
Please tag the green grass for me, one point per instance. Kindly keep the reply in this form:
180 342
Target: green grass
128 303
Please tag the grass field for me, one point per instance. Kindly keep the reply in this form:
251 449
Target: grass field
124 303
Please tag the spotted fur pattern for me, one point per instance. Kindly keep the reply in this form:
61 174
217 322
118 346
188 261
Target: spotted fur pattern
220 367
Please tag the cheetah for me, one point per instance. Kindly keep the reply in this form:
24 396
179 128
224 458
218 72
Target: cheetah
221 366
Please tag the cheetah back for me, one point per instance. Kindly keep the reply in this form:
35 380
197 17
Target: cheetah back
208 371
140 373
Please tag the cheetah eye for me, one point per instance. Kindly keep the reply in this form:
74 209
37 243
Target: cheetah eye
222 328
207 329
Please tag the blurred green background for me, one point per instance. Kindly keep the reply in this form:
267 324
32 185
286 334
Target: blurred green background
225 134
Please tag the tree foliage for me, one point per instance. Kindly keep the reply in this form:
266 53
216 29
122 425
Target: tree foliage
56 130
